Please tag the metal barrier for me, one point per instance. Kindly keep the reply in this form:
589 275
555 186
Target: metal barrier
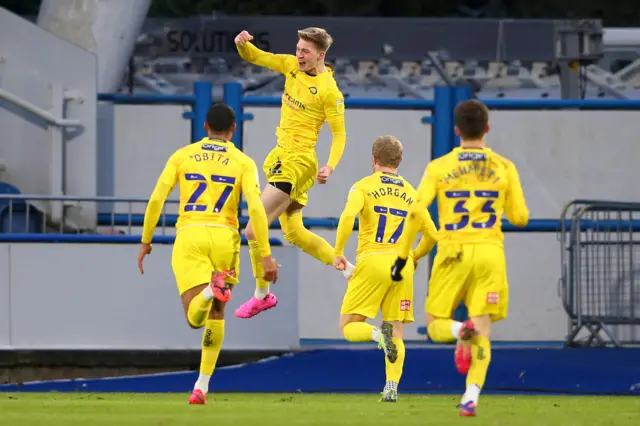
22 221
600 281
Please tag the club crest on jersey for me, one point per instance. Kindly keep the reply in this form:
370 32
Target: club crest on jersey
472 156
391 181
313 90
213 147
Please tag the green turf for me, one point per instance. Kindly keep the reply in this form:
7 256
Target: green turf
297 409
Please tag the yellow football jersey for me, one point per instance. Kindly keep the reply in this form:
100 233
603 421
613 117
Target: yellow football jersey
382 200
475 187
212 174
307 102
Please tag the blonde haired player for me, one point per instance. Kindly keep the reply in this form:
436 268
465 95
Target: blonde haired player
206 253
382 201
474 186
311 97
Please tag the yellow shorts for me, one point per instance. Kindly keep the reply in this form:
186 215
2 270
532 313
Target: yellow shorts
371 289
475 273
199 250
297 168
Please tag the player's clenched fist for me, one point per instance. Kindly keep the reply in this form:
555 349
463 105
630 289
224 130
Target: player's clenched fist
340 263
243 37
270 267
396 269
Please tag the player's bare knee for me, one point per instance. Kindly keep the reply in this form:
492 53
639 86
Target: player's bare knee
343 323
430 319
217 310
482 325
347 319
398 329
294 207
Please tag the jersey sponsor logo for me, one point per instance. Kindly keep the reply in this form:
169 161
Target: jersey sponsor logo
472 156
213 147
405 305
493 298
340 106
293 102
276 168
391 181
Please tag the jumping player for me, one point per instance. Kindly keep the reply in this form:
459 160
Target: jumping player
311 97
206 253
474 186
382 201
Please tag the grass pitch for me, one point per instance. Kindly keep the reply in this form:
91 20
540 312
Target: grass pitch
54 409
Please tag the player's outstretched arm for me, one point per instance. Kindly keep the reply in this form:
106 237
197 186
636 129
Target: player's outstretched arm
355 203
167 180
252 54
258 217
516 208
334 113
164 186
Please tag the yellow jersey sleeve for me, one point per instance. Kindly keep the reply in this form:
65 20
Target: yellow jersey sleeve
515 206
276 62
429 237
334 113
257 213
355 203
426 193
166 182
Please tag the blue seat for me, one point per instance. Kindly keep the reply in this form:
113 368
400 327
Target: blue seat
17 221
7 188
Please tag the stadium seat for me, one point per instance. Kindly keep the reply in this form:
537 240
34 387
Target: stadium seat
14 217
24 218
7 188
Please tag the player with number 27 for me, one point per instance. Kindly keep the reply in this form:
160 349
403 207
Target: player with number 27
206 254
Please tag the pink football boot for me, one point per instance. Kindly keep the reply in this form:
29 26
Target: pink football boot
253 306
197 397
221 290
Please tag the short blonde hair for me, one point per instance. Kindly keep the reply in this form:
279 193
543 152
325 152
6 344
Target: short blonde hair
318 36
387 151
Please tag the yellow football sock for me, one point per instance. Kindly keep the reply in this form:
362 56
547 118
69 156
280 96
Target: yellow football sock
480 359
198 310
310 243
256 265
358 332
394 371
212 339
440 330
